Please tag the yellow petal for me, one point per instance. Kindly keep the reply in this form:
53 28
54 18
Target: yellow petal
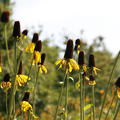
30 48
58 61
118 92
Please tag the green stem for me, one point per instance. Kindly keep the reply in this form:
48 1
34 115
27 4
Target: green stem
110 107
81 96
6 103
93 101
13 90
35 87
108 84
60 97
117 110
66 98
6 44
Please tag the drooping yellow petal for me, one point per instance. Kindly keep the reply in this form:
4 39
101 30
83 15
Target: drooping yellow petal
95 70
25 106
44 69
30 48
74 64
58 61
21 79
37 57
6 85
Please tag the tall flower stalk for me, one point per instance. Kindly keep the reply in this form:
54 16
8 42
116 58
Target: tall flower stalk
68 64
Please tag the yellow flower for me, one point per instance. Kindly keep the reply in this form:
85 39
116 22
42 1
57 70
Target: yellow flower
0 68
6 84
25 106
68 64
31 46
117 83
91 80
92 67
42 69
37 57
77 46
22 79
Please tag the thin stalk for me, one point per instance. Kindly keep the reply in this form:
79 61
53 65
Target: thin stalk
6 44
66 98
13 90
108 84
110 107
59 98
81 96
93 101
117 110
35 87
116 105
6 102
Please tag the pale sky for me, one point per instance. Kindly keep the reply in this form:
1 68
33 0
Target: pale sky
95 17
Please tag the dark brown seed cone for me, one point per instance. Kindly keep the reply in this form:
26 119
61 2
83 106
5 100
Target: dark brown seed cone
43 58
35 38
77 42
16 29
5 17
6 77
38 46
20 68
25 32
26 96
91 78
91 61
81 58
117 83
69 50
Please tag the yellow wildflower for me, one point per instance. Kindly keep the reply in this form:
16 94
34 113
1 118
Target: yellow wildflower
117 83
6 84
91 80
92 67
77 46
37 52
30 48
22 79
67 62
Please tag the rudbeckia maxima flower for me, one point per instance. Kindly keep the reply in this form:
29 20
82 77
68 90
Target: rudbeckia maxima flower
68 63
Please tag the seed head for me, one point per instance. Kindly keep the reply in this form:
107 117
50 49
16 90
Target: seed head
26 96
16 29
38 46
77 42
5 17
6 77
69 50
81 58
43 58
35 38
25 32
91 61
20 68
117 83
